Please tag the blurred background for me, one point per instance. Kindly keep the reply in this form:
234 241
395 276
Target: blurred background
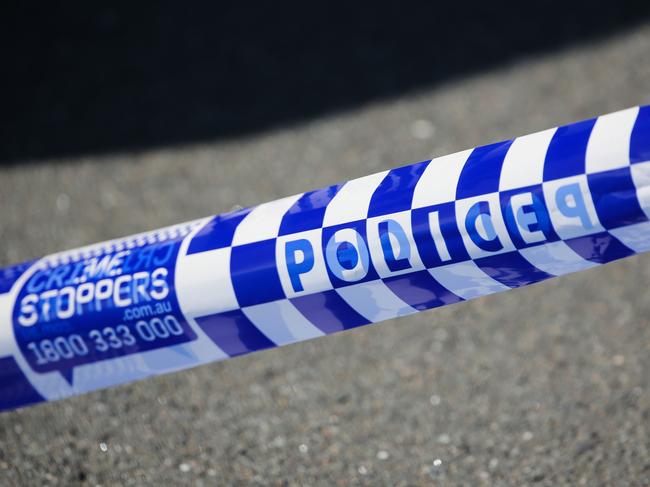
127 117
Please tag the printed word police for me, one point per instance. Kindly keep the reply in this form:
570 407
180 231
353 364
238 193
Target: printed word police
428 237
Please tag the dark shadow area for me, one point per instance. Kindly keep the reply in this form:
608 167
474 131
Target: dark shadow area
84 78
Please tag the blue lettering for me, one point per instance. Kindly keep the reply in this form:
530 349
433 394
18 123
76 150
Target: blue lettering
56 277
526 217
571 203
295 266
490 242
346 254
37 282
75 277
166 256
394 262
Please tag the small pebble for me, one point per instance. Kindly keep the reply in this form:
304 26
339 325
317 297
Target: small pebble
62 202
422 129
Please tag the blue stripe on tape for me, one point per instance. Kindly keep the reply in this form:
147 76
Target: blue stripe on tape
395 192
218 232
9 275
566 152
234 333
614 196
600 248
511 269
328 311
420 290
254 273
16 389
640 139
481 172
307 213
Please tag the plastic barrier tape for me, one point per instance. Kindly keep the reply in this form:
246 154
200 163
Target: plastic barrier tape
386 245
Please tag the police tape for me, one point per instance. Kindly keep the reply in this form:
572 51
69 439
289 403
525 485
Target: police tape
390 244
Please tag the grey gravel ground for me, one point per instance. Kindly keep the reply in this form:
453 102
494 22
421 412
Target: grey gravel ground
547 385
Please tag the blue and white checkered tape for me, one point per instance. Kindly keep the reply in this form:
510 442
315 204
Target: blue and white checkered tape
386 245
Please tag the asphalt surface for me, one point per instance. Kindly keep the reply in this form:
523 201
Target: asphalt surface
546 385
